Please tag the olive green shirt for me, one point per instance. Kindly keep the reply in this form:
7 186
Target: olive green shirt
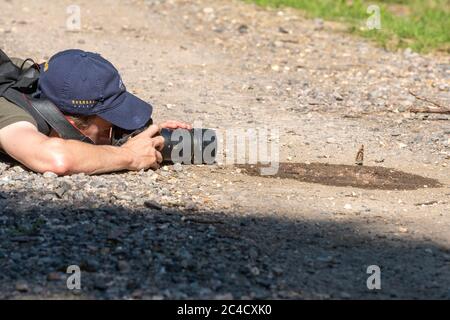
9 112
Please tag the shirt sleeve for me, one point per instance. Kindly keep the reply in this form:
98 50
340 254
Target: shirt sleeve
10 113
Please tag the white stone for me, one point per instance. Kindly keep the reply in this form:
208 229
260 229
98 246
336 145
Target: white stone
49 174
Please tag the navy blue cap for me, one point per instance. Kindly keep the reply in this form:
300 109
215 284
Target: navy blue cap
84 83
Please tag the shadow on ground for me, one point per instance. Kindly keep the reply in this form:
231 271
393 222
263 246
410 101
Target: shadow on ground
150 253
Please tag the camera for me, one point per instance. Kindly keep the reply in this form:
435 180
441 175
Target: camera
195 146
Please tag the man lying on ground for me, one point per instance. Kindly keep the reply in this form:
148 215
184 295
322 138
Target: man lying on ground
89 92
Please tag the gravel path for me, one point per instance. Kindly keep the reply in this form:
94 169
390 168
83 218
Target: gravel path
212 231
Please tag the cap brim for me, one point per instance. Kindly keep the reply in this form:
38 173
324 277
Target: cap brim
131 114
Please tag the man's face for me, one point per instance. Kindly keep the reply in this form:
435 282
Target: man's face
98 130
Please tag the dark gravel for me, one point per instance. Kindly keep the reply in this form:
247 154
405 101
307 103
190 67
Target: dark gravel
132 245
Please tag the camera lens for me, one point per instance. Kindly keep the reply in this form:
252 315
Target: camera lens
195 146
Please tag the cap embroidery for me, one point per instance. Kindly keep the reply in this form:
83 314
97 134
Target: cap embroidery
83 103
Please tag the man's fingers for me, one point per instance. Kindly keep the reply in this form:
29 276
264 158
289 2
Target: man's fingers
174 124
170 124
159 157
158 142
155 166
152 130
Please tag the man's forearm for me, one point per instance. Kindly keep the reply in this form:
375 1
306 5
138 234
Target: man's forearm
93 159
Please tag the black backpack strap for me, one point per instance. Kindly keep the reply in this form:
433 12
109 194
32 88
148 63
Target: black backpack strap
20 100
54 117
46 115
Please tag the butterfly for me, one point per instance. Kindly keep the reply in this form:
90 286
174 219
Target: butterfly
360 156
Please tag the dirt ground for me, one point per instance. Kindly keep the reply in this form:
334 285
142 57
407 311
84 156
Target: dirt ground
233 65
362 177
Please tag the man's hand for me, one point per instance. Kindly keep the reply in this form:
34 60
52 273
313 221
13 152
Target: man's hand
174 124
145 149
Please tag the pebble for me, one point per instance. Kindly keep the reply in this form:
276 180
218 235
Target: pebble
208 10
403 229
331 140
125 197
123 266
255 271
243 28
18 169
318 24
337 96
54 276
22 286
224 296
192 206
178 167
137 294
152 205
100 284
278 271
49 175
62 189
278 44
